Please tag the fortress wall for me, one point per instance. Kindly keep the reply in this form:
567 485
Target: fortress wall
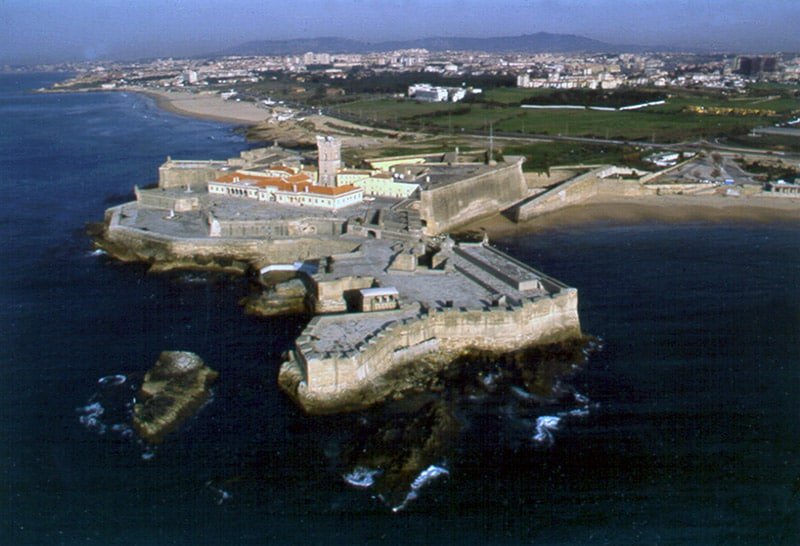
167 251
571 192
159 200
174 174
446 207
330 376
329 296
541 180
622 188
306 227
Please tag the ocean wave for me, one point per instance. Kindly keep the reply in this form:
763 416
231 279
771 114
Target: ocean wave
425 477
98 252
90 417
545 425
112 380
220 493
361 477
110 408
581 398
577 412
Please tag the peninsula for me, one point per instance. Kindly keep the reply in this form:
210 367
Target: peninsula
393 297
391 292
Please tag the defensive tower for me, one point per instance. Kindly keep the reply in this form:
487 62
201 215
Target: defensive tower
330 159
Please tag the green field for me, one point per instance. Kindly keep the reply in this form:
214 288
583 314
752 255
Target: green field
499 108
540 156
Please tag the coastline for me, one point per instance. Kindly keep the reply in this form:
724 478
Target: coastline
210 107
637 210
609 209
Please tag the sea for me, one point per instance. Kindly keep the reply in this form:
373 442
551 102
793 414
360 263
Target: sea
680 425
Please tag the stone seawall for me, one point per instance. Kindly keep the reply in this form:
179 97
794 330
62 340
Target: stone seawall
569 192
357 378
164 252
449 206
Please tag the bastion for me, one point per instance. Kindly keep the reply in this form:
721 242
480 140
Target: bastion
394 298
467 297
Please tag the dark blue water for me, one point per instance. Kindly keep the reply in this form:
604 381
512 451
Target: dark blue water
692 436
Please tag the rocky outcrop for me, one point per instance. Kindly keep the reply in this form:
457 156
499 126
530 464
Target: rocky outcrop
173 390
283 298
396 449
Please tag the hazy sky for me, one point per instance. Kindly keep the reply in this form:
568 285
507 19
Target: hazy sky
54 30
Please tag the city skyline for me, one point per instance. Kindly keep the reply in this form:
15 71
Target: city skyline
47 31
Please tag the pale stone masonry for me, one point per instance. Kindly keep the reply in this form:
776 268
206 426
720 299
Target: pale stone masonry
477 298
389 289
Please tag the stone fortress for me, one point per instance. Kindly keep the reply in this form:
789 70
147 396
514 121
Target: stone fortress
387 285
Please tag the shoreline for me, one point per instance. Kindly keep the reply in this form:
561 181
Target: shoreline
210 107
605 209
655 209
202 106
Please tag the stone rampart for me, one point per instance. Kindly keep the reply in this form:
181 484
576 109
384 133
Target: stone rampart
158 199
446 207
570 192
176 173
331 296
165 252
277 228
338 378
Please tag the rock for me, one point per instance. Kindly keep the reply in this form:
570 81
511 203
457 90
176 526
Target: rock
172 391
283 298
400 446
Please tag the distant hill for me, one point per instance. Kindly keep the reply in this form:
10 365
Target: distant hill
541 42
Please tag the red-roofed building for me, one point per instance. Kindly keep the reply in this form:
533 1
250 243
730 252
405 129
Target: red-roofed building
285 186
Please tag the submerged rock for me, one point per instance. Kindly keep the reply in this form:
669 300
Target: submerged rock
283 298
172 391
393 452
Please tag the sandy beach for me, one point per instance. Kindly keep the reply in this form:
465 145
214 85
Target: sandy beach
205 106
664 209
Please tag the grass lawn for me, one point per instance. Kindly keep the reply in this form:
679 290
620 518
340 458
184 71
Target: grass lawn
671 122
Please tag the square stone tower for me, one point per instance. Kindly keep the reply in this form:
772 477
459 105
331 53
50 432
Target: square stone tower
330 159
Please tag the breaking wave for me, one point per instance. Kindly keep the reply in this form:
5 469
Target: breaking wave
362 477
220 493
545 425
425 477
110 408
90 417
112 380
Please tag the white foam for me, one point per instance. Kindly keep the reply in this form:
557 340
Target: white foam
91 417
581 398
149 453
222 495
545 425
98 252
361 477
489 379
112 380
578 412
522 393
426 476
